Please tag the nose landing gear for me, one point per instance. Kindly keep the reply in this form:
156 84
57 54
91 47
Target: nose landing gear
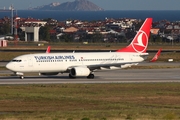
21 75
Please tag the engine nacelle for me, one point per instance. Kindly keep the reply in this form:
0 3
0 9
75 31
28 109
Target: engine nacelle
48 73
79 71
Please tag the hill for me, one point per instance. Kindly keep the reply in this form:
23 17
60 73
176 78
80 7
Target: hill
77 5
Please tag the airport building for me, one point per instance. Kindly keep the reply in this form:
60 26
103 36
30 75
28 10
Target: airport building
31 28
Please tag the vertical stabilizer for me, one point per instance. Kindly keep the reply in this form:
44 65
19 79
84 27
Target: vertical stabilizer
48 49
140 42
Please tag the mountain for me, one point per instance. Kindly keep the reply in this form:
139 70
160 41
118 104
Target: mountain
77 5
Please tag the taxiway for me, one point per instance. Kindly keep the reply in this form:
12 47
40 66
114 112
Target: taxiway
114 76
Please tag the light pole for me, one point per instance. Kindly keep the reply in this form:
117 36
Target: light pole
12 21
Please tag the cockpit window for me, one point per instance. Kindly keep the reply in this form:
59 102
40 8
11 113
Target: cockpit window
16 60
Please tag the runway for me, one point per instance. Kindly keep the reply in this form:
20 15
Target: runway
115 76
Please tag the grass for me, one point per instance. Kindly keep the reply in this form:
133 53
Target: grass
154 67
81 46
91 101
7 56
2 68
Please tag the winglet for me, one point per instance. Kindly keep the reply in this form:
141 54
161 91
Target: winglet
48 49
156 56
140 42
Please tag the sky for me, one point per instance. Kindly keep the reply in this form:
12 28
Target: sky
105 4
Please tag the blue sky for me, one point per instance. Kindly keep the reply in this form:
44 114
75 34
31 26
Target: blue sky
106 4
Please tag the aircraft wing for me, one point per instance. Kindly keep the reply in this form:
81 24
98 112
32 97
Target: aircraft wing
111 66
106 66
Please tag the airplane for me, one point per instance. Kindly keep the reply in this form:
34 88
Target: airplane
84 64
156 56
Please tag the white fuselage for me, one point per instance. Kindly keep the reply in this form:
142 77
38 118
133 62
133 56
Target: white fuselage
62 62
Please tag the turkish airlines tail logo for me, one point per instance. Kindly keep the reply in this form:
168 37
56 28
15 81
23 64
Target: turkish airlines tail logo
140 42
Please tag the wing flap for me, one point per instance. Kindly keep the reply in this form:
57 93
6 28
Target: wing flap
110 66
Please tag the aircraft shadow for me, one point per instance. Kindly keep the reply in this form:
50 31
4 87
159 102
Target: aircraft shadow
43 77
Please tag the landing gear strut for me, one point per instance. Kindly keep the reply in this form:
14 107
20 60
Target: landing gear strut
21 75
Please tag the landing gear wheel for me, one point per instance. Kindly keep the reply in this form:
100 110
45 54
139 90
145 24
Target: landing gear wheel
70 76
90 76
21 77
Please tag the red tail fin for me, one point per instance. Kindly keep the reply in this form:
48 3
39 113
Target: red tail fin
48 49
156 56
140 42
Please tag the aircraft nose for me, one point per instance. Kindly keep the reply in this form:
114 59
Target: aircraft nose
9 66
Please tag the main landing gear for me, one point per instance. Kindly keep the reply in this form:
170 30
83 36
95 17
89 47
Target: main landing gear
90 76
70 76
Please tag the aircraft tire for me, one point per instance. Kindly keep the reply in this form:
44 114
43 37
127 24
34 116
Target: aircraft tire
21 77
70 76
90 76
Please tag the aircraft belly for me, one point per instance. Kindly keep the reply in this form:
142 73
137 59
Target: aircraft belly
49 67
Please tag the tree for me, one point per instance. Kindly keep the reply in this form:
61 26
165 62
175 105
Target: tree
97 37
5 29
44 33
66 38
21 34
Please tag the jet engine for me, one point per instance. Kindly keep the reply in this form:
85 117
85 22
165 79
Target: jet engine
79 71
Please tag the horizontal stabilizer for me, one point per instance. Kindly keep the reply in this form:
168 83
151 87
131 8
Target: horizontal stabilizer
156 56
